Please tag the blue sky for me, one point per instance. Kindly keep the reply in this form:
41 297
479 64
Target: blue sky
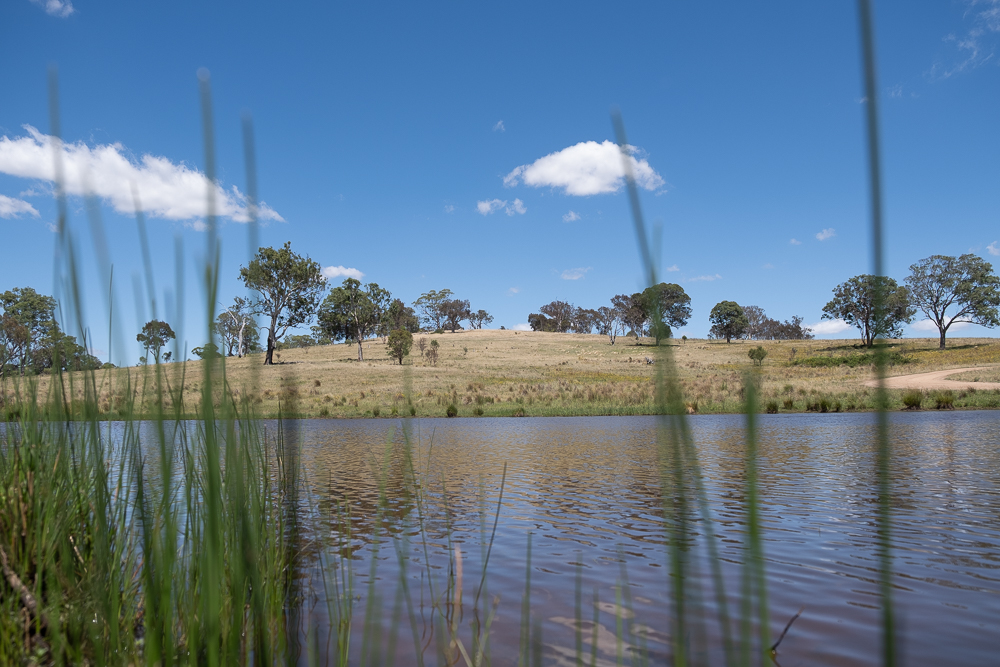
389 139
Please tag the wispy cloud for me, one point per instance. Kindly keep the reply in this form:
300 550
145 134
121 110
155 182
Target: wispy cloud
706 278
587 168
571 216
829 327
513 290
449 208
499 127
768 266
978 45
15 208
827 233
59 8
795 242
672 268
895 91
575 274
993 249
489 206
342 272
166 190
928 325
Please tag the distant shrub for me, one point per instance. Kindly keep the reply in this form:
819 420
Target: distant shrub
788 404
757 355
324 412
852 360
478 412
439 331
824 404
413 411
451 411
376 412
913 399
518 413
788 389
944 400
772 407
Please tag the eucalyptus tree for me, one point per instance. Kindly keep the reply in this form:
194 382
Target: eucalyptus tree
354 313
728 320
154 335
966 283
666 305
876 305
430 306
288 288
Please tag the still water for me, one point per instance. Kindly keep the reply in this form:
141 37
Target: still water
588 492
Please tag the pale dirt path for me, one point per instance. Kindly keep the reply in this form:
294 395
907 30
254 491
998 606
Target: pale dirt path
935 380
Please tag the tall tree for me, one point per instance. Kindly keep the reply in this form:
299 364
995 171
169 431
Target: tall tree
583 320
667 305
429 305
28 318
539 322
154 335
479 318
608 322
632 313
352 312
400 341
399 316
561 314
756 322
237 330
454 311
728 320
967 283
288 288
876 305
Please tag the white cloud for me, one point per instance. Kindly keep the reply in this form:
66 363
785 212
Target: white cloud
673 268
342 271
60 8
993 249
571 216
928 325
521 327
493 205
575 274
768 266
449 209
829 327
896 91
13 208
499 127
795 242
708 278
513 290
588 168
166 190
827 233
978 45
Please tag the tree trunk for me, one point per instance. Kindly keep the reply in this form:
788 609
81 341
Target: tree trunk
269 358
361 353
941 342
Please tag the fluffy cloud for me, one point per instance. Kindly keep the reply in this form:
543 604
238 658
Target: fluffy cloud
166 190
513 290
493 205
13 208
829 327
827 233
571 216
60 8
342 272
588 168
575 274
993 249
673 268
795 242
521 327
499 127
449 208
708 278
928 325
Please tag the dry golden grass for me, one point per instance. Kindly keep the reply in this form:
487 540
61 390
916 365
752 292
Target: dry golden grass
504 373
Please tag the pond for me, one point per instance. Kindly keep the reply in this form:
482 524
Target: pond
588 492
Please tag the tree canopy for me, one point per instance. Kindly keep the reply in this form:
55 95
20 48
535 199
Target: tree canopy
965 283
876 305
400 341
288 288
237 329
666 305
154 335
352 312
429 304
728 320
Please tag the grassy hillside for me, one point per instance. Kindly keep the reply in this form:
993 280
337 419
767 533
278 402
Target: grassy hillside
505 373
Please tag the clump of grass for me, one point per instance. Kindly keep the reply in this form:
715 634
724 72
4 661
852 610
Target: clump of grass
772 407
944 400
451 410
913 399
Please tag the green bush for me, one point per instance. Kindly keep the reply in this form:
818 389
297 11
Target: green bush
944 400
852 360
757 355
788 404
376 412
772 407
913 399
452 411
413 411
478 412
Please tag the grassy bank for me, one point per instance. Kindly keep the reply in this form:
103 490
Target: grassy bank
507 373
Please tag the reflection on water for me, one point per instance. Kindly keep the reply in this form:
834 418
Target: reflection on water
588 491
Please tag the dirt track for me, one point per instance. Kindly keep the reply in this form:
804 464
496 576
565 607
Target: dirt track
935 380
